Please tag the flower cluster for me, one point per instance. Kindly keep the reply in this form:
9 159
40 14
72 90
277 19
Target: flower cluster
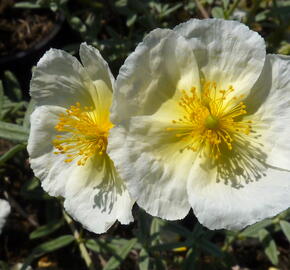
198 117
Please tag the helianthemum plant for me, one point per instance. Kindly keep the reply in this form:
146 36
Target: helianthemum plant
69 136
202 120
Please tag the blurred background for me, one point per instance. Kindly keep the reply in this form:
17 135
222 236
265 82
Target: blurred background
38 234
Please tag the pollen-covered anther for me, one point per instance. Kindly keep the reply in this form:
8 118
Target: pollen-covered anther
84 134
211 119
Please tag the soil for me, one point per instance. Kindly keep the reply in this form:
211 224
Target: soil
21 29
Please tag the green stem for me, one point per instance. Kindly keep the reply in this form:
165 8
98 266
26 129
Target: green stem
201 9
83 250
233 8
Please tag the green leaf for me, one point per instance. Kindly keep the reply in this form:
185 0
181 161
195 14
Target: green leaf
253 230
190 260
12 86
144 259
27 5
168 11
143 232
32 190
77 24
29 110
120 255
225 3
46 229
53 245
160 264
180 230
13 132
131 20
93 245
1 98
285 226
217 12
155 228
11 152
270 246
210 248
47 247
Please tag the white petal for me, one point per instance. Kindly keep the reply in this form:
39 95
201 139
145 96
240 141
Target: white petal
162 64
95 65
234 203
47 166
269 101
60 79
88 198
97 197
227 52
149 161
4 212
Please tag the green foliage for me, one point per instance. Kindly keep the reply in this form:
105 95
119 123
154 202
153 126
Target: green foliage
115 28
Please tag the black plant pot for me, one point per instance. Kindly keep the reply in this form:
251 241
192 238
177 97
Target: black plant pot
21 63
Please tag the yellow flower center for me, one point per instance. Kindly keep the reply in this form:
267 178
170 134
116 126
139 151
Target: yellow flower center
85 134
212 121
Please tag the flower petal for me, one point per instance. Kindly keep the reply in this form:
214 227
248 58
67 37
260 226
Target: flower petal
88 197
60 79
95 65
269 103
4 212
220 203
227 52
47 166
97 197
160 65
146 159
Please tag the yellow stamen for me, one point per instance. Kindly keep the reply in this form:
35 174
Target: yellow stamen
85 134
212 120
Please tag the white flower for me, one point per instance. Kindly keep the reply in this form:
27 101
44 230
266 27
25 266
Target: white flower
69 135
205 121
4 212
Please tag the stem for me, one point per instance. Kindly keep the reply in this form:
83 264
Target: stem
201 9
20 210
233 8
83 250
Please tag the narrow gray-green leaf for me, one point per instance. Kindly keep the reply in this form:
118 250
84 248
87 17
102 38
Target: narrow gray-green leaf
27 5
253 230
285 226
175 227
13 132
11 152
131 20
93 245
190 260
120 255
12 86
171 10
29 110
47 247
270 246
46 229
53 245
210 248
217 12
144 259
1 99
